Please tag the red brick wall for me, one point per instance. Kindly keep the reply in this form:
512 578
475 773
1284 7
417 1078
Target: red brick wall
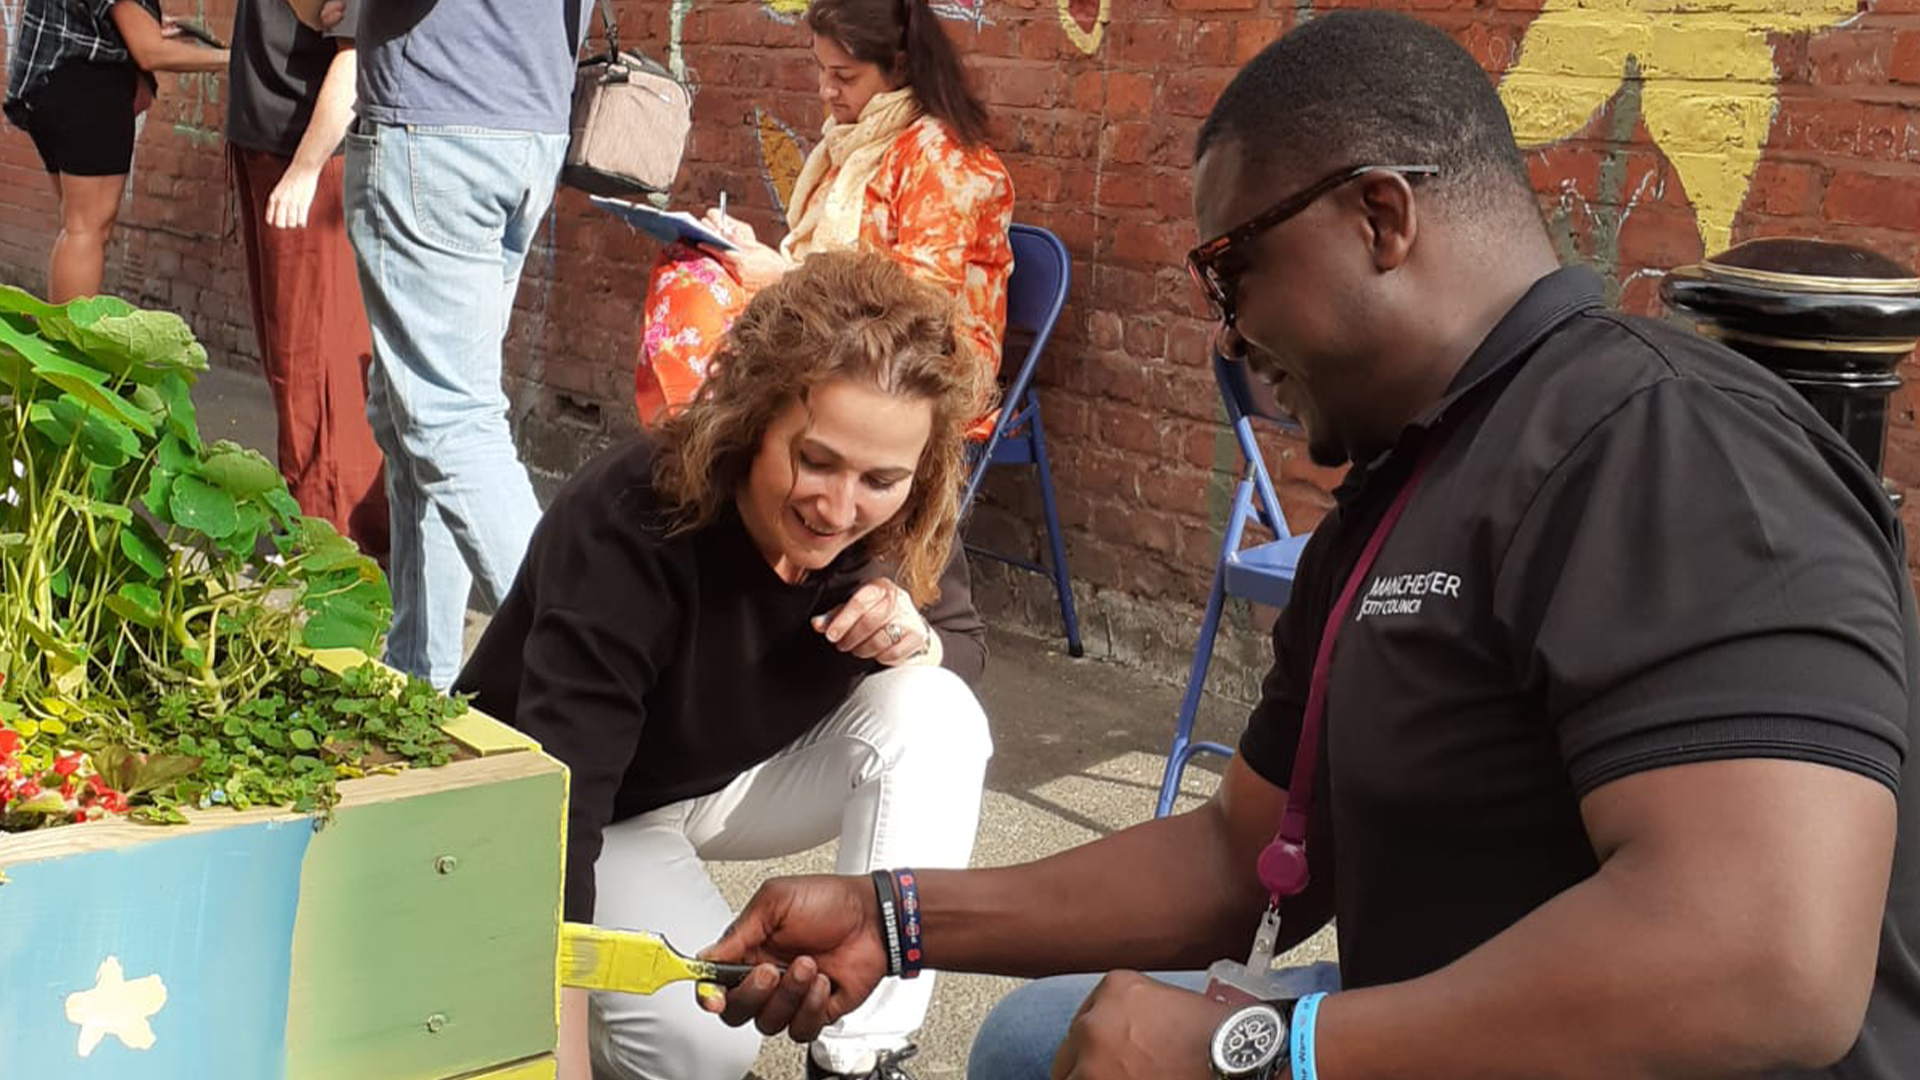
1096 106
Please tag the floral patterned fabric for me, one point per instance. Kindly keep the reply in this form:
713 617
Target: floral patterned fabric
939 208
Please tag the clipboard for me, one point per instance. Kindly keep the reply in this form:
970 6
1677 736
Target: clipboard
666 226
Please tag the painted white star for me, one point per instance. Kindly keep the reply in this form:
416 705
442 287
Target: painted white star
116 1007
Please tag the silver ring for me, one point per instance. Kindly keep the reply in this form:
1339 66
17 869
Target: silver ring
894 633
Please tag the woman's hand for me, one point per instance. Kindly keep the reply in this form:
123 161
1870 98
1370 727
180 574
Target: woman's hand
879 622
753 264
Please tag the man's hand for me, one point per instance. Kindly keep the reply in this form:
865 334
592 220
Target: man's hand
826 930
292 197
1135 1028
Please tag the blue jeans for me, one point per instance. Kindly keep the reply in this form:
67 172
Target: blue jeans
1023 1032
441 219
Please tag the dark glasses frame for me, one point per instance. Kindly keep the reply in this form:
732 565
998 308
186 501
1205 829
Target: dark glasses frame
1204 262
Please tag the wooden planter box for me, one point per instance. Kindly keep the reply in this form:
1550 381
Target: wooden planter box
414 937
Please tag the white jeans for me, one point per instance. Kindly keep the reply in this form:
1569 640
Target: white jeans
895 773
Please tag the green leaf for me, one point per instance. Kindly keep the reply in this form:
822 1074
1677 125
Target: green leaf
102 439
94 507
59 366
182 419
244 473
125 341
15 300
144 549
177 455
202 507
159 489
146 398
250 519
340 622
302 739
136 603
283 504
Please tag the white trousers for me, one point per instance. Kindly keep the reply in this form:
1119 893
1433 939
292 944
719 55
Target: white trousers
895 773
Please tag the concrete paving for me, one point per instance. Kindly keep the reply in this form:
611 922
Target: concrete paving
1079 746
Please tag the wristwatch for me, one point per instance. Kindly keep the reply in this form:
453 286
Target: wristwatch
1251 1044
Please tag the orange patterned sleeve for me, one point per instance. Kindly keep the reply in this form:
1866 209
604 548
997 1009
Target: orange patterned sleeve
942 210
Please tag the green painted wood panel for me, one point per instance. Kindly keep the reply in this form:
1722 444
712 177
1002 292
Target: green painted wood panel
409 967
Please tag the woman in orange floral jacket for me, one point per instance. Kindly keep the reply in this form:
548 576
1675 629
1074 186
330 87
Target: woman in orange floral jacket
902 167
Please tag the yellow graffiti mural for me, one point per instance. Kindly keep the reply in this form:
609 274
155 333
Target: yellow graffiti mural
1708 92
1087 41
788 8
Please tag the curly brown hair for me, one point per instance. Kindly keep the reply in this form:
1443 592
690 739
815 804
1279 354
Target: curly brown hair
839 315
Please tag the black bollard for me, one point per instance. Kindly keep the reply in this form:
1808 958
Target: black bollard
1833 320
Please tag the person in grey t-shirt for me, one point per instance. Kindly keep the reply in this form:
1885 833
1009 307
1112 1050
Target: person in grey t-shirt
451 164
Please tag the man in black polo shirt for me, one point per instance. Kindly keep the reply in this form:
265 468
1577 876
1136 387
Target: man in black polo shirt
1620 712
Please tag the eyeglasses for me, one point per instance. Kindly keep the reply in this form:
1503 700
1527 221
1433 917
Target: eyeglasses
1215 265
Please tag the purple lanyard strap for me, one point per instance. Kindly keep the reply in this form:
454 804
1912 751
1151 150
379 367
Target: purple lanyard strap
1283 863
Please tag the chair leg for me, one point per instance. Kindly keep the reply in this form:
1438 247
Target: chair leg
1062 583
1183 748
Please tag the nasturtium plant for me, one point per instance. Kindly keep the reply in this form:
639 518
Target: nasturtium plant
158 594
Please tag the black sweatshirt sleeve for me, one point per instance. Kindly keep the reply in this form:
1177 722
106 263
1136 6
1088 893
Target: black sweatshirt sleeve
570 660
963 633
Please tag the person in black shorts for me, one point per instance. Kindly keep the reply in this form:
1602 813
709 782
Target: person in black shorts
77 81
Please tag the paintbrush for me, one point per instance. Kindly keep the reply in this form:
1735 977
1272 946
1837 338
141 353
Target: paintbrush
633 961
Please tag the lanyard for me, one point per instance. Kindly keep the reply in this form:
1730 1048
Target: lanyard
1283 863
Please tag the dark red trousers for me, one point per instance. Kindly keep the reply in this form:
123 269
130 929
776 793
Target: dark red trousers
315 345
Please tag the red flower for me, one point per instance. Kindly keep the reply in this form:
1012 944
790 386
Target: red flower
10 741
67 764
26 789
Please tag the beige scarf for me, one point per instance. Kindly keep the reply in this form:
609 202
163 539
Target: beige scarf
829 197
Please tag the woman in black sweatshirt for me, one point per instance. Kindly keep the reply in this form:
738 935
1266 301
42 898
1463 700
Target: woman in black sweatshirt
752 633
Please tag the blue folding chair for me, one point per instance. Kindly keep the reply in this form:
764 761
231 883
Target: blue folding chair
1035 295
1262 573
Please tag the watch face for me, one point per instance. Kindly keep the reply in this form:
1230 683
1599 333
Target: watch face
1248 1041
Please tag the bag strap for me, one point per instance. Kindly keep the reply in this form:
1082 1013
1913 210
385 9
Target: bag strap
612 26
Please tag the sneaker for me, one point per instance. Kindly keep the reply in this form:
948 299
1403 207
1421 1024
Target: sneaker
886 1066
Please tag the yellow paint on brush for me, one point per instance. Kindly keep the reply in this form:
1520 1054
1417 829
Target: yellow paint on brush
1708 96
630 961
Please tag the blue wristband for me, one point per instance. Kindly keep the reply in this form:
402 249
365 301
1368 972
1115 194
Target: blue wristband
1300 1036
909 886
